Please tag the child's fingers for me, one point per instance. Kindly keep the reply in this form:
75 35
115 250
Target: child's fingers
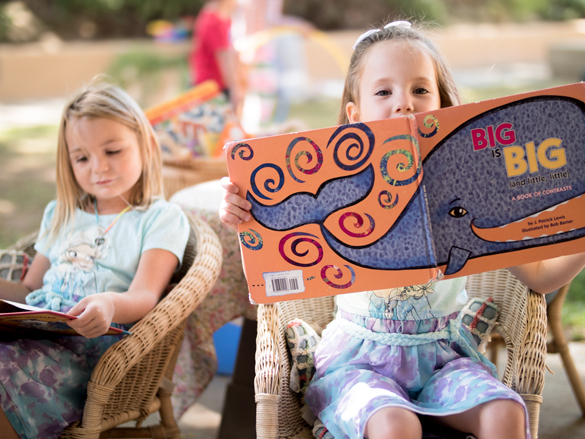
94 331
228 185
89 312
94 327
231 196
234 213
237 201
231 224
78 308
236 205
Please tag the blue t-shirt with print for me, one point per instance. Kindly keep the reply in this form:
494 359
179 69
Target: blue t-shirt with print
85 260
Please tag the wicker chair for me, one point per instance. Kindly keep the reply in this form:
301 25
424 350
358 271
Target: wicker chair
522 323
134 376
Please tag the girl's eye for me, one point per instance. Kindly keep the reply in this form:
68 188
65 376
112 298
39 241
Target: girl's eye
457 212
80 159
421 91
383 93
117 151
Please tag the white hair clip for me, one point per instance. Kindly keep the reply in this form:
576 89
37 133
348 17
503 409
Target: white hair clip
366 34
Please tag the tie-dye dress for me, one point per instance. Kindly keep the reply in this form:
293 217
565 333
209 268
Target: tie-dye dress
43 382
361 368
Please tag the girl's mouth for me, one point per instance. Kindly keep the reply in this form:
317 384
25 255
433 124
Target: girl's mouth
104 182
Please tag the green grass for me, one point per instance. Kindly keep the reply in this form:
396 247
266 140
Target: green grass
27 179
484 93
318 113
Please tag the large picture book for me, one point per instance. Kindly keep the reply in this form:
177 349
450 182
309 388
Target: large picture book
18 317
403 201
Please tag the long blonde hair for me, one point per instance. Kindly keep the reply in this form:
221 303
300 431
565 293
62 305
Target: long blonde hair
415 36
104 100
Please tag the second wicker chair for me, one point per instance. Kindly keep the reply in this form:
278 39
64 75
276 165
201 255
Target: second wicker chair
522 323
134 376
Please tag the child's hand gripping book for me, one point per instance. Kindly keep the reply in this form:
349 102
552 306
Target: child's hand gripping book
400 202
16 317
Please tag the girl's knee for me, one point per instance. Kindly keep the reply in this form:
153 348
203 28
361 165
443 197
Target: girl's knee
505 418
505 409
393 422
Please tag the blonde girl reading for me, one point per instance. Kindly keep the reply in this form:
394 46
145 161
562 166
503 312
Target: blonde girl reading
107 249
377 389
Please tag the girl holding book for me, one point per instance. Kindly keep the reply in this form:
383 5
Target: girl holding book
369 382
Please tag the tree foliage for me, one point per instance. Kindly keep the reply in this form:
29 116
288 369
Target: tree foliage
72 19
96 19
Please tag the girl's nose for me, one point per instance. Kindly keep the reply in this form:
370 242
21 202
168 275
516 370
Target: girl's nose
403 104
99 165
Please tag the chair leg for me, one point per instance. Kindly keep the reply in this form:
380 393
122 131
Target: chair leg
168 422
561 346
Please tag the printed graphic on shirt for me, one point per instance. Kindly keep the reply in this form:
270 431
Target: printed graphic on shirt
408 303
75 274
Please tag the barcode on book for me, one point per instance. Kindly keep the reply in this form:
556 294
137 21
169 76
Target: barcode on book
284 282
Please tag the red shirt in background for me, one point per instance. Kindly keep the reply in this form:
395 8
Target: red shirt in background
211 34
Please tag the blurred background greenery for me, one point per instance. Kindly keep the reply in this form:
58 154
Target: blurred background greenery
27 152
73 19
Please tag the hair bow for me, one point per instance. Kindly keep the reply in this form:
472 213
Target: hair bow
366 34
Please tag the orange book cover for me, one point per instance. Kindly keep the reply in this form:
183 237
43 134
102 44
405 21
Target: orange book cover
400 202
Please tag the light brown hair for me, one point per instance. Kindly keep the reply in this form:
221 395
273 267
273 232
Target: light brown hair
101 99
417 38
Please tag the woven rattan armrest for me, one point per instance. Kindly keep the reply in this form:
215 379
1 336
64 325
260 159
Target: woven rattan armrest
267 372
277 407
522 324
26 244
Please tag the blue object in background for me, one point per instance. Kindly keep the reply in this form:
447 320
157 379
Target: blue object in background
226 340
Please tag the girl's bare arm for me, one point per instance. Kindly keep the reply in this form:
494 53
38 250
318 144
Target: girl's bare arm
96 312
546 276
33 280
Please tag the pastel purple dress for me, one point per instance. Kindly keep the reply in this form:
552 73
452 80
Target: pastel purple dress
360 374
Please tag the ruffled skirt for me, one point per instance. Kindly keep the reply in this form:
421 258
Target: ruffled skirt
357 377
43 383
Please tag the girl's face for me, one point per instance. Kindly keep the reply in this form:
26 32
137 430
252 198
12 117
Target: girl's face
106 162
397 79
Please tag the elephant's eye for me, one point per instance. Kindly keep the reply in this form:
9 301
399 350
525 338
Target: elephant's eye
457 212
